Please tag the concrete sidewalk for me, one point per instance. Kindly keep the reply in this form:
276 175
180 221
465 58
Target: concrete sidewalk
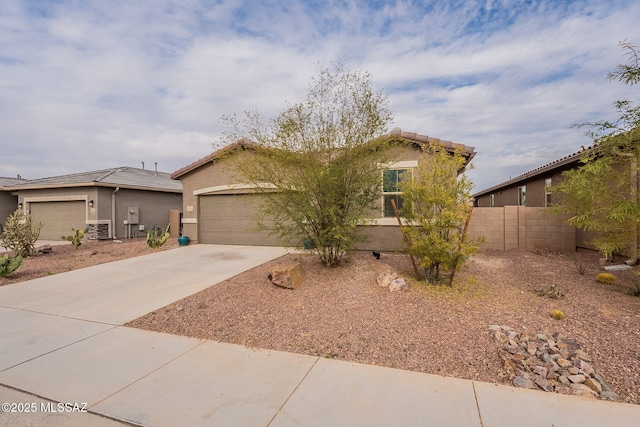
61 341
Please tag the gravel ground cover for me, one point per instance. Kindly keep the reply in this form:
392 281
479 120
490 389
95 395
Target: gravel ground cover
342 313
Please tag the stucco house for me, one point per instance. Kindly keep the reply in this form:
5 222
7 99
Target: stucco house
532 188
516 213
8 199
119 202
218 208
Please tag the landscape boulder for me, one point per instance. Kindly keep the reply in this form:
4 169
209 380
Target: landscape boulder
385 278
399 284
287 275
44 249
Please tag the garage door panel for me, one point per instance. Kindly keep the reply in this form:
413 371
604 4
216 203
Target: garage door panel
58 217
232 219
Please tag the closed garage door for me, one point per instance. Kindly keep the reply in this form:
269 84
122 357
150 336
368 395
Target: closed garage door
58 218
232 219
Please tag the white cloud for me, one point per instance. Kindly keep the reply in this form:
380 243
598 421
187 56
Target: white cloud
94 84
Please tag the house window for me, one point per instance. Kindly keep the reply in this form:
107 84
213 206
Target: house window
391 180
522 195
547 192
492 200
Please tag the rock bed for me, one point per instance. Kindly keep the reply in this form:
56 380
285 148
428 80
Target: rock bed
552 363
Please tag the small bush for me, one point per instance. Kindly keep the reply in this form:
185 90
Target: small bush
581 269
557 314
9 265
606 278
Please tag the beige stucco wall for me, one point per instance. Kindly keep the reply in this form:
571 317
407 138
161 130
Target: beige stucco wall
221 173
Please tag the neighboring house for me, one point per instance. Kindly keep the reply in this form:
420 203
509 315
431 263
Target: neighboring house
529 189
120 202
8 199
218 208
515 214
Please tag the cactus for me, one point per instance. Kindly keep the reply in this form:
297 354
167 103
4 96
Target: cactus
9 265
76 237
606 278
20 234
557 314
157 238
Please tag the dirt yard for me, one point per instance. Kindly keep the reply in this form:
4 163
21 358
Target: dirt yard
342 313
65 257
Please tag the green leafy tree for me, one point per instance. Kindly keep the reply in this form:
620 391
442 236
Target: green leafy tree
602 193
315 163
20 234
437 208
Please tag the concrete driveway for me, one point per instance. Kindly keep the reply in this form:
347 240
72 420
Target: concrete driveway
121 291
61 342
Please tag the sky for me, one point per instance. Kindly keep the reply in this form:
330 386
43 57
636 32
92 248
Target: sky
95 84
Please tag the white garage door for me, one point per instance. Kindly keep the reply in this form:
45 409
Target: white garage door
58 218
232 219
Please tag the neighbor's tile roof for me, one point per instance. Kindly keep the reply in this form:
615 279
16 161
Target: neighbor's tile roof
125 176
560 163
7 182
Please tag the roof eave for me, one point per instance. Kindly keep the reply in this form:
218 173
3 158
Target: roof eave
543 170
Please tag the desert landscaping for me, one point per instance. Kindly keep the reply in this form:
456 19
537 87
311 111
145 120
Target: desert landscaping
465 331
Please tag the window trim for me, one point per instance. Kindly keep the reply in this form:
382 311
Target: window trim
548 182
522 195
398 166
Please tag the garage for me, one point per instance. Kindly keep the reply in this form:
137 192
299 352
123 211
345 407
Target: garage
58 217
231 219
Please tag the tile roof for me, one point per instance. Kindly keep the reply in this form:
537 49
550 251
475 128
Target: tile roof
549 167
124 176
468 151
6 182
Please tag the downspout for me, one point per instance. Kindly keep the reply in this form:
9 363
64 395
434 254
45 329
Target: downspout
113 212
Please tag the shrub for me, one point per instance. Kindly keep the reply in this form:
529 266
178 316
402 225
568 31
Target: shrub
157 238
606 278
76 237
19 234
9 265
557 314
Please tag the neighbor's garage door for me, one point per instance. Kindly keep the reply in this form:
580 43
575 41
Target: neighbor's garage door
231 219
58 218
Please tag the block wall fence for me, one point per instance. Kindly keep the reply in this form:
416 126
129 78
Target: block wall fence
521 227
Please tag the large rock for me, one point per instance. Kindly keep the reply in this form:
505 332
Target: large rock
555 363
399 285
288 275
385 278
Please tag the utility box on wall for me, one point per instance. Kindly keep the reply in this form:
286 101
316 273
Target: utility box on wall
133 215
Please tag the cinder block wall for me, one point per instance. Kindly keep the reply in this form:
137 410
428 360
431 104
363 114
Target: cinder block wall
520 227
490 223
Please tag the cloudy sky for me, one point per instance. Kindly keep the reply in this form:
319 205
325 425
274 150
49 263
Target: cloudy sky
87 85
